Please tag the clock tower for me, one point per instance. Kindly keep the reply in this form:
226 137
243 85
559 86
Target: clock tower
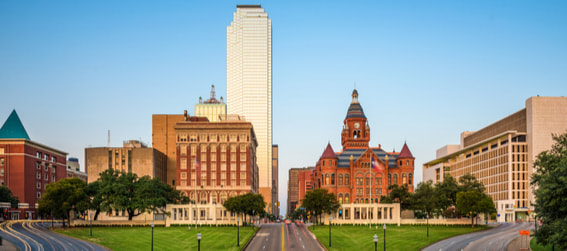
356 132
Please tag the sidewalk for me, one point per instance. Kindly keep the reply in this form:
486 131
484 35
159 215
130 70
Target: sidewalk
517 245
7 246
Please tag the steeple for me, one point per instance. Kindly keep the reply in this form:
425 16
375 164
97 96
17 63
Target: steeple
356 133
329 153
13 128
405 153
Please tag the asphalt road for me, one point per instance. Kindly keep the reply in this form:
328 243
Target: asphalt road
497 238
34 235
284 236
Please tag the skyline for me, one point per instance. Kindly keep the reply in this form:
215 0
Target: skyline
424 72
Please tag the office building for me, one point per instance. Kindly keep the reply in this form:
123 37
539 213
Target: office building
249 81
164 139
74 170
501 155
275 183
293 199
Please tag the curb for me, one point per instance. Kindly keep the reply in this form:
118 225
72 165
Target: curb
251 238
319 241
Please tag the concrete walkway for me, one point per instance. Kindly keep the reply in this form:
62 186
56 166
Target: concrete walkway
520 243
7 246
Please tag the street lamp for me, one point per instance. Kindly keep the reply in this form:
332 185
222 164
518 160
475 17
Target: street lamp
199 241
91 225
153 236
329 231
375 242
238 232
384 237
428 225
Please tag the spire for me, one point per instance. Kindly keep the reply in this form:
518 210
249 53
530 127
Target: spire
355 110
13 128
405 153
329 153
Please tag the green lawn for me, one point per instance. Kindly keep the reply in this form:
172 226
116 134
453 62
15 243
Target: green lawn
170 238
397 238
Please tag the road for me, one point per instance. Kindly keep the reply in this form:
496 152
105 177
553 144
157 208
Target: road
284 236
34 235
497 238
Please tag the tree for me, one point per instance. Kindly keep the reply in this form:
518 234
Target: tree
63 196
474 202
550 182
447 192
401 194
425 197
248 204
6 195
319 201
469 183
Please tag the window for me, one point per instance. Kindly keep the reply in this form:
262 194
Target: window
1 150
332 179
346 198
347 180
183 175
404 178
46 176
38 195
38 155
2 171
53 168
45 157
341 198
389 179
38 185
46 168
411 178
340 180
395 179
38 175
327 179
379 181
53 159
1 161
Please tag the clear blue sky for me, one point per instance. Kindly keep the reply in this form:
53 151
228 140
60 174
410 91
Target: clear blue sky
425 70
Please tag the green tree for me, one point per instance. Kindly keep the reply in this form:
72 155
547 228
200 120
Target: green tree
474 202
401 194
447 192
425 197
319 201
470 183
6 195
550 182
63 196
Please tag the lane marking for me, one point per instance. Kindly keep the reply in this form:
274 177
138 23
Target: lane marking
283 238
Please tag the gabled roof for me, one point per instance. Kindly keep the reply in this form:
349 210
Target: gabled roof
405 153
329 153
13 128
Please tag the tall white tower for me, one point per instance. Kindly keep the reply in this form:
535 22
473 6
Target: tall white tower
249 82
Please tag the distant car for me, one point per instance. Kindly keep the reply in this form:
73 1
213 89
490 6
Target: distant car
287 221
278 221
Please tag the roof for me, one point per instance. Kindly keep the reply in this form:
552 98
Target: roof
355 110
344 157
329 153
13 128
405 153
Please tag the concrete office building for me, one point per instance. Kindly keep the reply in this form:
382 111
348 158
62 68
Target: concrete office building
501 155
74 170
211 108
132 157
249 81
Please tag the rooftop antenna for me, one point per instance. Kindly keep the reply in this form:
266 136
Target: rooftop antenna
108 143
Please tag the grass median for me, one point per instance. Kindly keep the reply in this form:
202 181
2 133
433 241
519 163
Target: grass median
404 237
165 238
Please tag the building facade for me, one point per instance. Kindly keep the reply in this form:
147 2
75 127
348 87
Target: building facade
216 160
275 183
249 81
74 170
350 174
132 157
211 108
27 167
164 139
293 199
501 155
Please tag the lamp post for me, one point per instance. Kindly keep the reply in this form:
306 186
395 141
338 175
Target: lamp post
199 241
428 225
238 232
384 237
329 231
375 242
153 236
91 225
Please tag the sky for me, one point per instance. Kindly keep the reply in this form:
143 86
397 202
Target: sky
425 71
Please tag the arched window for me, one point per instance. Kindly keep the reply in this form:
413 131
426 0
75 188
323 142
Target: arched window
346 198
389 179
193 198
395 179
366 201
340 179
327 181
341 198
356 201
376 200
404 178
347 180
333 179
203 198
410 178
319 182
223 197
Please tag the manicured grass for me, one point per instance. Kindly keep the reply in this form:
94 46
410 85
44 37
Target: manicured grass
538 247
165 238
397 238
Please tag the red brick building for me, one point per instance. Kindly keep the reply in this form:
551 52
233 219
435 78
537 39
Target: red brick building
349 173
26 167
216 160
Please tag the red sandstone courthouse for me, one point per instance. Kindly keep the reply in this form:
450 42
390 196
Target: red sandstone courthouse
349 173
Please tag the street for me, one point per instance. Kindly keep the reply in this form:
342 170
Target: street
496 238
284 236
34 235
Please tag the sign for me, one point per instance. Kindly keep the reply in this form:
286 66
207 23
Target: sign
524 232
498 215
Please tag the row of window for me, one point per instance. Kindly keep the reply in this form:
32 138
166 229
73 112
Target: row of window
329 179
212 138
38 165
46 157
46 176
